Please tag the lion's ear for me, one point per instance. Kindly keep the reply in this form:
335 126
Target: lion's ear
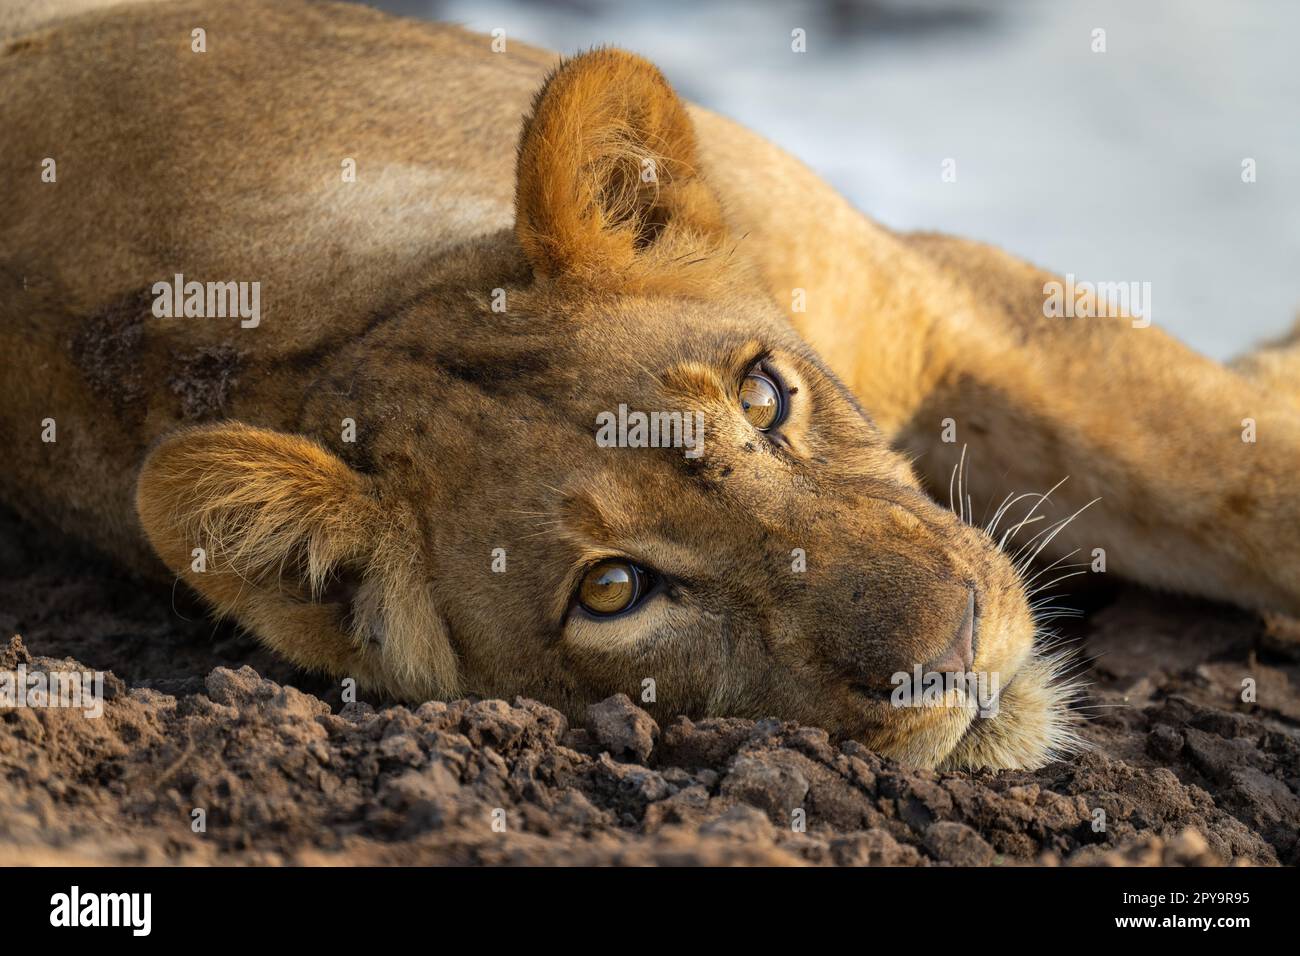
283 535
608 188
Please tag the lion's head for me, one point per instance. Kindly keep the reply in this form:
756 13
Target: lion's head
595 455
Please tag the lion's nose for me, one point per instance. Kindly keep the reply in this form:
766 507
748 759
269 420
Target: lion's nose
960 654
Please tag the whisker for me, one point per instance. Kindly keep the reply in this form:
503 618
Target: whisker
1041 498
1048 540
1043 571
997 515
952 481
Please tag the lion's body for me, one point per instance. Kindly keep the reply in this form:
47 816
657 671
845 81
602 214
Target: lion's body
229 165
432 129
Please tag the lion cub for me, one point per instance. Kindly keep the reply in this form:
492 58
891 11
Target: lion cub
422 467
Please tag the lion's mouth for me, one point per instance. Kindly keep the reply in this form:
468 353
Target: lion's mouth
984 711
1022 722
1034 723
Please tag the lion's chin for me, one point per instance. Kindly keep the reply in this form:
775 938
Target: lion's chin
1035 721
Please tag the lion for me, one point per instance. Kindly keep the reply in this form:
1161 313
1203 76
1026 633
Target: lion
465 371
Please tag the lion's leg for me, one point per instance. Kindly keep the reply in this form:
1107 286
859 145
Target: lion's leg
1194 462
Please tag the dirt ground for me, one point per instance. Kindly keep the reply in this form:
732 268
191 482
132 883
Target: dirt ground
199 718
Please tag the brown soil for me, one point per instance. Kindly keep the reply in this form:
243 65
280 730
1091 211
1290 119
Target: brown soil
201 718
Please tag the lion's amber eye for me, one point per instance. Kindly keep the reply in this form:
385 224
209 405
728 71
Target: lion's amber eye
761 401
611 587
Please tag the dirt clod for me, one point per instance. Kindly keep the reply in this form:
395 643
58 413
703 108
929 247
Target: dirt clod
622 728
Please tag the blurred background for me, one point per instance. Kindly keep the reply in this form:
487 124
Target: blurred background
1115 166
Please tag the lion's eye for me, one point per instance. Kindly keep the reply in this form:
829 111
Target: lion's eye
612 587
761 400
